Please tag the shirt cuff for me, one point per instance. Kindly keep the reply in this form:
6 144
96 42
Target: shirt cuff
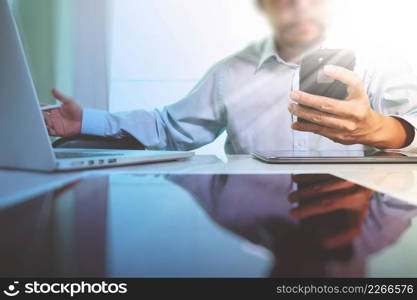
413 122
94 122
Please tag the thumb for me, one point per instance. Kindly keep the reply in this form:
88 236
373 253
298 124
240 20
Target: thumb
61 97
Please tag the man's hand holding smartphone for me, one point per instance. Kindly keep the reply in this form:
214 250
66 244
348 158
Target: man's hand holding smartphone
350 121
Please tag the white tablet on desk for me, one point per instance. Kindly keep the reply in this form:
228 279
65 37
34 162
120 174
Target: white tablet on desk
334 156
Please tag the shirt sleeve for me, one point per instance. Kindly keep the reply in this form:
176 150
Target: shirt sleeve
393 92
194 121
94 122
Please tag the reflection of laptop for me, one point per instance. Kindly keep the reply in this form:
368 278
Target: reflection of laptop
334 156
24 139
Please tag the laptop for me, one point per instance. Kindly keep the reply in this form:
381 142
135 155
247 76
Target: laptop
334 156
25 143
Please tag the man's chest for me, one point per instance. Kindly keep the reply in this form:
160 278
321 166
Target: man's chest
256 105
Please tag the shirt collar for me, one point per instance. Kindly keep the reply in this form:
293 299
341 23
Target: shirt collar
268 50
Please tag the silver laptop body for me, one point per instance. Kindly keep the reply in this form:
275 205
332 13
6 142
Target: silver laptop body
24 140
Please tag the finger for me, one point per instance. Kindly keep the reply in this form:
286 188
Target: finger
57 124
52 131
317 190
352 80
313 128
311 178
344 238
51 123
54 114
61 97
316 208
321 118
47 118
331 133
48 123
324 104
350 199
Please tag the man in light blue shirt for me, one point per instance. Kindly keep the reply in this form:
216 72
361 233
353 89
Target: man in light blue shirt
253 96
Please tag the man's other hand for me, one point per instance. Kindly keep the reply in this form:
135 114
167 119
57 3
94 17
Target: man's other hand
66 120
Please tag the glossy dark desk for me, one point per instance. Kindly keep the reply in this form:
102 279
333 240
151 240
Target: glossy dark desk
275 225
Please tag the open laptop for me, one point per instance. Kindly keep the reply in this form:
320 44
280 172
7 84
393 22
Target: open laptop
25 143
334 156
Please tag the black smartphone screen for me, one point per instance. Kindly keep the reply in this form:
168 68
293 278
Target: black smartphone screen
312 77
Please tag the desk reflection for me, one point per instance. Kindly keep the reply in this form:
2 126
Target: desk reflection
194 225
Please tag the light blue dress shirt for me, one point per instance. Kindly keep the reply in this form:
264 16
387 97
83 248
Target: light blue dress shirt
247 95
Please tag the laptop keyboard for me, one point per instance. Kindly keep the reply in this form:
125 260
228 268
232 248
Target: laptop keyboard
63 155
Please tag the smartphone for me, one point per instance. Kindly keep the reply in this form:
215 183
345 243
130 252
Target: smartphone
312 77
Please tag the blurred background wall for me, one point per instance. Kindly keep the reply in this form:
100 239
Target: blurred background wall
46 27
66 45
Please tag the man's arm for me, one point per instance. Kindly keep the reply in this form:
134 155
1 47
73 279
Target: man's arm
196 120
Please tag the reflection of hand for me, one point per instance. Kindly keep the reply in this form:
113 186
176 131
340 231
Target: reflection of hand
324 194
